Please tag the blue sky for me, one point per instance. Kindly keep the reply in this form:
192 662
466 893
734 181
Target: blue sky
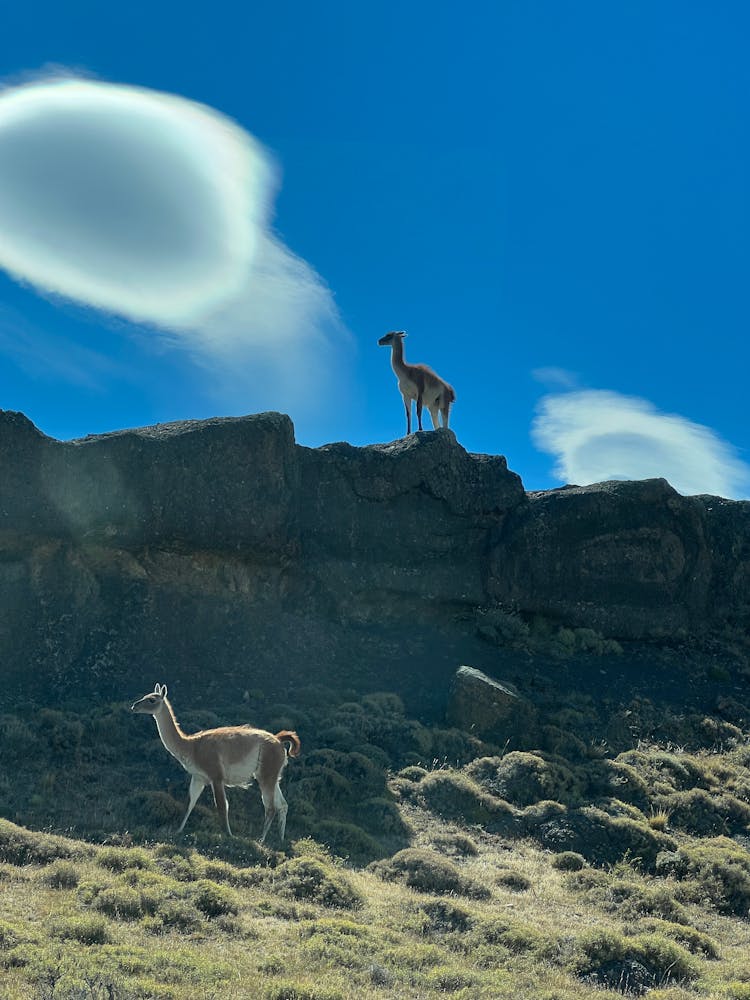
550 198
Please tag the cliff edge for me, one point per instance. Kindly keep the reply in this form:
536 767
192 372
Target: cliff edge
221 550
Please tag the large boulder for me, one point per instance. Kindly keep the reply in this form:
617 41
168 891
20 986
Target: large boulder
488 708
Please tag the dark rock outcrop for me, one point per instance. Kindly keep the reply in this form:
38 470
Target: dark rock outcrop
221 552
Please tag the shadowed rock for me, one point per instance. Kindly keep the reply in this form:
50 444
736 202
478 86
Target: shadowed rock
226 553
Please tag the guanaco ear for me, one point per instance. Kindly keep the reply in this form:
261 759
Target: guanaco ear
163 691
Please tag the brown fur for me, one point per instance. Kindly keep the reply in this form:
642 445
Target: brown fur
225 757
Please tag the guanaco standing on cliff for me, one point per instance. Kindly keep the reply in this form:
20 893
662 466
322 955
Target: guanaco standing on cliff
418 382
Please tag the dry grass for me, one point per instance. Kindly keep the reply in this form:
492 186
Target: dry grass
400 943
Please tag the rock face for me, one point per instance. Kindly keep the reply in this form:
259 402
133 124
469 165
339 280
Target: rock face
221 552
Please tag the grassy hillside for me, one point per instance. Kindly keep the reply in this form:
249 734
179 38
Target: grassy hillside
461 912
602 857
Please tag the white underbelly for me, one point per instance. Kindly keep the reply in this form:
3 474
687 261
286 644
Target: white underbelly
242 772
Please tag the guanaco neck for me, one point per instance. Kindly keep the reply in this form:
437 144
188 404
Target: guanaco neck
397 356
170 733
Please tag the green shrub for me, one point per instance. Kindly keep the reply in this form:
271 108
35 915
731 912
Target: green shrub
8 935
445 917
668 960
568 861
622 781
524 778
214 900
382 816
61 875
24 847
703 814
88 930
599 837
181 865
123 903
427 871
312 880
455 796
720 870
633 964
173 914
457 844
664 771
413 773
694 940
348 841
63 733
119 859
16 739
155 809
515 881
736 991
514 935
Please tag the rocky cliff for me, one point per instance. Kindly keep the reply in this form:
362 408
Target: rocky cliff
220 552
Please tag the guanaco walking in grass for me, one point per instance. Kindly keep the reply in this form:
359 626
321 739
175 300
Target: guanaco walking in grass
225 758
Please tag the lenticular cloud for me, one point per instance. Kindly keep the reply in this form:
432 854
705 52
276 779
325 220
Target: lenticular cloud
599 435
154 208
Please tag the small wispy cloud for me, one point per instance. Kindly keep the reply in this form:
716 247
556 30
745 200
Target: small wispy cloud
559 378
49 357
157 209
597 435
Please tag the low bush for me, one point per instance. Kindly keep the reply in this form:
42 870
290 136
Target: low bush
118 859
19 846
214 900
694 940
88 930
704 814
346 840
454 796
445 917
568 861
515 881
719 870
455 844
296 991
155 809
123 903
313 880
598 836
524 778
632 964
61 875
428 871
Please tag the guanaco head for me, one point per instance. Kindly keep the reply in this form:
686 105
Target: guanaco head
389 338
150 704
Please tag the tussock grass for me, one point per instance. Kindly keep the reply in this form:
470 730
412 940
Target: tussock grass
425 865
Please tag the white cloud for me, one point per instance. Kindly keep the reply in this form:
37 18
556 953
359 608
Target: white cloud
559 377
599 435
156 209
